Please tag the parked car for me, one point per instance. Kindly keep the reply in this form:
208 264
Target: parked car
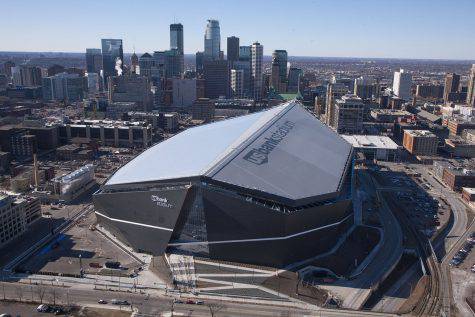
43 308
200 302
178 301
190 301
455 262
101 301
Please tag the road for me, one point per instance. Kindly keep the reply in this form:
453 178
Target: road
358 290
156 305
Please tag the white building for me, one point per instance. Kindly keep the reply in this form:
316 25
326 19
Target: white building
184 92
374 146
237 83
402 85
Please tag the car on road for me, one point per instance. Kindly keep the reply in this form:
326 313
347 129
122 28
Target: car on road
119 302
190 301
473 268
5 315
101 301
178 301
199 302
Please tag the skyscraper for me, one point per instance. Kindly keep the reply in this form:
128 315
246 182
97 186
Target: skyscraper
257 52
279 70
212 40
112 57
402 84
293 81
199 57
176 49
233 49
176 37
216 75
134 63
93 60
244 53
471 88
452 84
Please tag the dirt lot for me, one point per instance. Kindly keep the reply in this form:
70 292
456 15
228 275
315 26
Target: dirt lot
79 247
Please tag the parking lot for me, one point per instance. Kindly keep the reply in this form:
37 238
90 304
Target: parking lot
80 247
429 213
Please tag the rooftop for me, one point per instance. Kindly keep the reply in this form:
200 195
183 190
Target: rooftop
371 141
420 133
283 152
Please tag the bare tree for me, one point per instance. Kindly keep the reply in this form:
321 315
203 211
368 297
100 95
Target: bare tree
19 292
40 291
53 295
214 308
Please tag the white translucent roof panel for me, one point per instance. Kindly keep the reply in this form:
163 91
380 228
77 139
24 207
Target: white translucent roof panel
194 151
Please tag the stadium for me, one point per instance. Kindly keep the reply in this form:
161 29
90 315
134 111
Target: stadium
268 188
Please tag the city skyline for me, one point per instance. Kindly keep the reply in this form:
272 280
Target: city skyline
422 30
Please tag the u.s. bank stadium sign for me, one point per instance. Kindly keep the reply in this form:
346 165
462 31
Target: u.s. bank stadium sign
260 155
161 201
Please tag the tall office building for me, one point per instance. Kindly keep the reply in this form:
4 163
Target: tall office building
365 88
257 52
199 60
452 84
293 81
146 62
134 64
112 57
65 87
176 37
237 83
349 112
131 88
176 52
216 75
279 70
245 66
25 75
212 40
471 88
93 60
402 84
244 53
334 91
174 63
232 49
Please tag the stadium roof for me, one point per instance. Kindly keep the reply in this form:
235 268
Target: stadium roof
283 153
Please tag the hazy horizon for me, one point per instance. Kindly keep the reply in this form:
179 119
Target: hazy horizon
404 29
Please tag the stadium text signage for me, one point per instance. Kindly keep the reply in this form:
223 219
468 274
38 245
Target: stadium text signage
161 201
260 155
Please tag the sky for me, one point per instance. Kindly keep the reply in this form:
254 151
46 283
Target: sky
432 29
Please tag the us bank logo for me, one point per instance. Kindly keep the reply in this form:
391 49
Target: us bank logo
161 201
260 155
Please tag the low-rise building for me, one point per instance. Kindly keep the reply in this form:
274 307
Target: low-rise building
460 148
374 147
456 178
108 133
16 215
468 194
203 109
389 115
420 142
